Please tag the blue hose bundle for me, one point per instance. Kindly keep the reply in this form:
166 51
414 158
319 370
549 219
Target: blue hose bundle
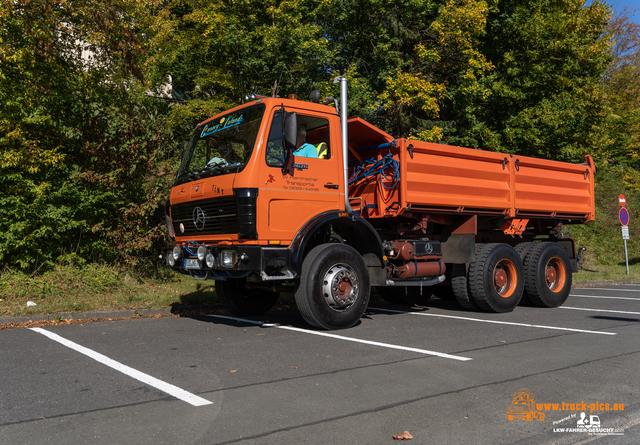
370 167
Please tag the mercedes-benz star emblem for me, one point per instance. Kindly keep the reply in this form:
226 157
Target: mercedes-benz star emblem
198 218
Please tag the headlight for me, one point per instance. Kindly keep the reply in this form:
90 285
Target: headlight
202 252
177 251
171 260
210 260
229 258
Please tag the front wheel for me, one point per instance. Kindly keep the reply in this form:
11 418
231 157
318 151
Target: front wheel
238 299
333 290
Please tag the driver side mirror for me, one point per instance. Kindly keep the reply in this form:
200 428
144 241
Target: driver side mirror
290 131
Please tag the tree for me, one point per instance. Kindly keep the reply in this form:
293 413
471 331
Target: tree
222 50
544 97
78 147
622 87
518 77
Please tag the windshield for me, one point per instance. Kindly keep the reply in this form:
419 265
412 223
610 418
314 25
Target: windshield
221 146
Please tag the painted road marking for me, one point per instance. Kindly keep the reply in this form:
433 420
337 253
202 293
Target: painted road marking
607 288
495 321
599 310
609 298
170 389
340 337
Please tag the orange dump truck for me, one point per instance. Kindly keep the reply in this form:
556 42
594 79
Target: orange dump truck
286 195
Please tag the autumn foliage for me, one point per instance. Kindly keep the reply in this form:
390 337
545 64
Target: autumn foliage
87 149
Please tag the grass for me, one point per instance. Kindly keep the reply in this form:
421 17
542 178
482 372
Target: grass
607 273
95 288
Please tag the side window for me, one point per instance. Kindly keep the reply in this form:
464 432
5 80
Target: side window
313 139
275 152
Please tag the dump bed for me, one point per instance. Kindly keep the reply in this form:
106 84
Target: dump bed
435 178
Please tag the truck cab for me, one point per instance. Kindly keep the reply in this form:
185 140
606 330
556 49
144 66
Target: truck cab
246 210
233 178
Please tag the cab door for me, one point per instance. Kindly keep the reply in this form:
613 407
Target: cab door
311 186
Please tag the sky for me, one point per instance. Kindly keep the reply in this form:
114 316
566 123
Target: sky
618 5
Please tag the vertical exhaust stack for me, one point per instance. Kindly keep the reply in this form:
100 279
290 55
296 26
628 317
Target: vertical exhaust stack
345 137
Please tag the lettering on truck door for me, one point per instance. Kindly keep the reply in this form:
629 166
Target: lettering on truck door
310 187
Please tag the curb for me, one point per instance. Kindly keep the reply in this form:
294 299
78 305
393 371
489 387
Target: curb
584 284
126 313
85 315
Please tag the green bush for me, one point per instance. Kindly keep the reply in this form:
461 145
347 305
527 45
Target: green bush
603 237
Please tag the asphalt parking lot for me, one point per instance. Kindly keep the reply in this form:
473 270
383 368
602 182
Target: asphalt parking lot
441 373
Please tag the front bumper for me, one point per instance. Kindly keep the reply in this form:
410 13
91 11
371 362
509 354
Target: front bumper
218 262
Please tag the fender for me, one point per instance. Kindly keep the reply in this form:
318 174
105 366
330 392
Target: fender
357 232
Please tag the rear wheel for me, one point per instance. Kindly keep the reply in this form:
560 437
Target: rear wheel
495 278
460 287
240 300
522 250
548 275
333 290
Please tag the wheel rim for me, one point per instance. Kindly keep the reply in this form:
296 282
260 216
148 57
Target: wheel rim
505 278
555 274
340 287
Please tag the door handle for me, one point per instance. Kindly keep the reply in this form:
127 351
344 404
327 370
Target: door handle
331 186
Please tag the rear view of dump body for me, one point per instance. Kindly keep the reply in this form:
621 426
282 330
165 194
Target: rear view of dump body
442 179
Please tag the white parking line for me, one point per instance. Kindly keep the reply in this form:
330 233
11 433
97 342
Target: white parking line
494 321
609 298
607 288
340 337
599 310
170 389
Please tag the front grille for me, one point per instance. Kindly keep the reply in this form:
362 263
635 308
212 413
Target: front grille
218 216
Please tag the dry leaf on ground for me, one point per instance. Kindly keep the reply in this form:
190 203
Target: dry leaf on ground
404 436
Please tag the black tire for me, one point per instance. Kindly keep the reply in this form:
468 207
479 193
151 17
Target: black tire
460 287
333 291
496 278
239 300
405 294
522 250
548 275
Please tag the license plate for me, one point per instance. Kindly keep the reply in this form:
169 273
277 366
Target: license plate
192 264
